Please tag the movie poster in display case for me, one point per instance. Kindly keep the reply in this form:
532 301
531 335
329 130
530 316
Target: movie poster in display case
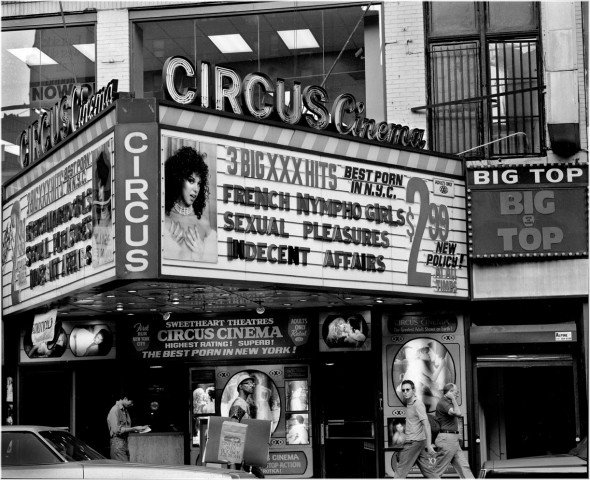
427 347
276 393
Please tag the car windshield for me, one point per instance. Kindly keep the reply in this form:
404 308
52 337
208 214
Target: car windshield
73 449
26 448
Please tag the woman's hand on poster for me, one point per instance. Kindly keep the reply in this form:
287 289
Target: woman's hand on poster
176 232
194 241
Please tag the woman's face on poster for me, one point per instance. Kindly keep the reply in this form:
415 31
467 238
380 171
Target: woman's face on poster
191 187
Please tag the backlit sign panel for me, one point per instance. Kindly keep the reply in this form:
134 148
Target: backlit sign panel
530 211
278 215
58 232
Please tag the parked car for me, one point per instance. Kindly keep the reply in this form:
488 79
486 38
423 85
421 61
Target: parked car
36 452
571 465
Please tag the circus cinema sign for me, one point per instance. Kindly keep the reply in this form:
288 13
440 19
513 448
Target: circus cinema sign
347 116
67 116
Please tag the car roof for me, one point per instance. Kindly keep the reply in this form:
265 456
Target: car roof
545 461
30 428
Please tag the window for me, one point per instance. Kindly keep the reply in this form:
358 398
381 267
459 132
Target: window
484 79
292 44
25 448
39 66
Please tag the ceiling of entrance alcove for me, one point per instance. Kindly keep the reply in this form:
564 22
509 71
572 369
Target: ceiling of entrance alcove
152 297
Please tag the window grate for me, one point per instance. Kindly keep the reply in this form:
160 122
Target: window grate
513 66
455 76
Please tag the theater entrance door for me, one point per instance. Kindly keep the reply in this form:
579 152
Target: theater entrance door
348 399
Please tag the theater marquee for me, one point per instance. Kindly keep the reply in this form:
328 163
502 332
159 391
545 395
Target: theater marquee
57 232
297 217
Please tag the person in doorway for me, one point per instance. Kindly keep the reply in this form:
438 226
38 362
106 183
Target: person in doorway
187 234
447 413
298 434
417 447
240 408
119 423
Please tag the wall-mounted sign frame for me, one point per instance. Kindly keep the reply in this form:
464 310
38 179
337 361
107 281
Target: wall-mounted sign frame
528 212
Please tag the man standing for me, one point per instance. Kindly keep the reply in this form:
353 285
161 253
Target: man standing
241 407
119 423
417 446
447 440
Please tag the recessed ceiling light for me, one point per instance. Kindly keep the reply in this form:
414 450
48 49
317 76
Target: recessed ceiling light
379 300
131 291
32 56
298 39
175 302
287 304
347 298
303 299
233 43
131 314
88 50
150 298
153 309
110 296
10 147
241 306
208 311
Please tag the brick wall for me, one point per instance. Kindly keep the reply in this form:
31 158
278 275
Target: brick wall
113 57
405 74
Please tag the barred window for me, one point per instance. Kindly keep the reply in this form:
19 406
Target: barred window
484 86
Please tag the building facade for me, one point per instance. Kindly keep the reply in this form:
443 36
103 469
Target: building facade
383 191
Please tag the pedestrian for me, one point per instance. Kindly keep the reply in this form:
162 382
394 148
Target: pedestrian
241 406
417 447
119 423
447 441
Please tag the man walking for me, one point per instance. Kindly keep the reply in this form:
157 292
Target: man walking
417 447
447 440
119 423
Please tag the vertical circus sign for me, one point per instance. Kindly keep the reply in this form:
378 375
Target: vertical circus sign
136 178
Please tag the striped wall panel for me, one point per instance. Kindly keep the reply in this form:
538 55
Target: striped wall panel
171 117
